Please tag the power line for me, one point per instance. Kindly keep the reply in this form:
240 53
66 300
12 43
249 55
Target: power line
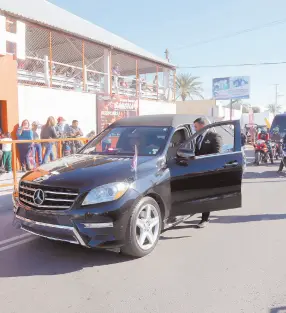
248 30
234 65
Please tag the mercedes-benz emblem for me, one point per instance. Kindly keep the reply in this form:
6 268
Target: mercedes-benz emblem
39 197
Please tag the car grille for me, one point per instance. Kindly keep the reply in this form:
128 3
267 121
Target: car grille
50 198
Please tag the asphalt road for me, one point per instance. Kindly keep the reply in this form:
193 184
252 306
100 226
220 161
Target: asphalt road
237 264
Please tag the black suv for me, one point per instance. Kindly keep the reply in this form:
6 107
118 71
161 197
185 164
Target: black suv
137 177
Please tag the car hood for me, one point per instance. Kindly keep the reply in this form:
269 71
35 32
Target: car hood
85 172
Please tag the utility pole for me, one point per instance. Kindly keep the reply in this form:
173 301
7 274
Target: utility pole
276 96
230 107
167 55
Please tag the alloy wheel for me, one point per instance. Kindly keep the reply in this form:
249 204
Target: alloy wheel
147 227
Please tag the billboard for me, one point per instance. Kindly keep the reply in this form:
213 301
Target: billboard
113 109
227 88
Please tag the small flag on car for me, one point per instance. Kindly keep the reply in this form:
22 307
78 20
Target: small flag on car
135 159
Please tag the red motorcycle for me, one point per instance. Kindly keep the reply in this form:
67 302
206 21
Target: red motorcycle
264 152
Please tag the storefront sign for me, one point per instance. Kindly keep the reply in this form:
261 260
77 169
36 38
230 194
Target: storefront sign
18 38
109 111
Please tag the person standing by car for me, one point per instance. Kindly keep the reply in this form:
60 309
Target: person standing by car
7 153
75 132
25 133
37 146
207 143
49 132
62 129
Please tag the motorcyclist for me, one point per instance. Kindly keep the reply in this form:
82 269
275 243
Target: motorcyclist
263 135
282 163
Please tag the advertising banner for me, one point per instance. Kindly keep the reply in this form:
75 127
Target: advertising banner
113 109
227 88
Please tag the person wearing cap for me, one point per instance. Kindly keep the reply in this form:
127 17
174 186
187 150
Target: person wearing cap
62 127
37 146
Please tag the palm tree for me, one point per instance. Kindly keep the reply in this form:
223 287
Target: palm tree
188 87
274 108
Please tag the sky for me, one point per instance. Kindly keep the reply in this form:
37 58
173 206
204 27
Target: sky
180 25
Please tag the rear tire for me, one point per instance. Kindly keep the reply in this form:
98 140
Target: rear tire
145 214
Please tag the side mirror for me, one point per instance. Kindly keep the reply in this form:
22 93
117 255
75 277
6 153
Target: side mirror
186 153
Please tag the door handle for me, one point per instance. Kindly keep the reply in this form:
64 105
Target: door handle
231 164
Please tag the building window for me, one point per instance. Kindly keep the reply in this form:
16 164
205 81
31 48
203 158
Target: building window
11 25
11 48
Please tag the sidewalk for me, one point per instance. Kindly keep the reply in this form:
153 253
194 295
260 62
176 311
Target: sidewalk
8 179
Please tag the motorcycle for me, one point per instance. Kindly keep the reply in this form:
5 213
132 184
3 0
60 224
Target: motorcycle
262 152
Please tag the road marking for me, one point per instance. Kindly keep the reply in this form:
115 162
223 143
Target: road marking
14 239
18 243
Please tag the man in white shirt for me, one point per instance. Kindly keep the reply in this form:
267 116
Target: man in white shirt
7 153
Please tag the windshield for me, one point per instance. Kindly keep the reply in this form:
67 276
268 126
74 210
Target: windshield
122 140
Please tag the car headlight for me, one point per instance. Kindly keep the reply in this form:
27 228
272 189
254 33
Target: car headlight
106 193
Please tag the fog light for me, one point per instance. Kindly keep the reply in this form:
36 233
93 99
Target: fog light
97 225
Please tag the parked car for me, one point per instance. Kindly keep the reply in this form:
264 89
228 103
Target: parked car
117 197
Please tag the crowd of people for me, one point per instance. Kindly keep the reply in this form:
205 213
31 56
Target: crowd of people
34 154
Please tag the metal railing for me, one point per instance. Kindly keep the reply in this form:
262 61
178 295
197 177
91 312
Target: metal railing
15 162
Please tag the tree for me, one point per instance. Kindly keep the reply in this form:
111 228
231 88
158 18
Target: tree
188 87
274 108
245 110
256 109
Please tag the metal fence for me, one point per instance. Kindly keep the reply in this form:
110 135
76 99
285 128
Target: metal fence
15 160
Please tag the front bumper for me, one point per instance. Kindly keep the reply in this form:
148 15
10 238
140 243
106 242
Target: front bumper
101 226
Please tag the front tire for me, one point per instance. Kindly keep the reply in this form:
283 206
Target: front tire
257 157
144 228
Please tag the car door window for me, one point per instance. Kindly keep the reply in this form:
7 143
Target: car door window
178 138
225 131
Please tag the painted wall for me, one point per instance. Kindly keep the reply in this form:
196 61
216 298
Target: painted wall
258 118
8 93
37 104
224 113
156 107
197 107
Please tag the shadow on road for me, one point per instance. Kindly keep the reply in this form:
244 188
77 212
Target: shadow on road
170 238
281 309
233 219
264 174
43 257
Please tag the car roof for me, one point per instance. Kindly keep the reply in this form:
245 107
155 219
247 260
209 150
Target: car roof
163 120
282 114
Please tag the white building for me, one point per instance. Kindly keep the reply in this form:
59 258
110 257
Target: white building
66 66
